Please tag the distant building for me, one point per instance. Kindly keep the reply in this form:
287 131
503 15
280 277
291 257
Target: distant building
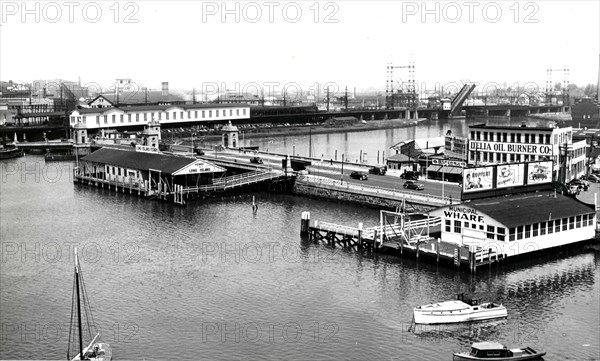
102 118
133 98
586 109
504 144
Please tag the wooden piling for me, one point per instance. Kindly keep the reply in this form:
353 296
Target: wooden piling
360 229
437 259
304 223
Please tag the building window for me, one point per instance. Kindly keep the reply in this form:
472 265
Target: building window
230 112
591 218
174 115
447 225
457 226
501 233
547 138
578 222
490 232
244 111
466 224
541 139
145 117
237 112
584 220
550 227
504 137
511 234
556 225
520 232
528 231
572 222
512 137
196 114
535 230
188 113
504 157
203 114
210 113
526 138
481 227
129 118
473 225
166 115
542 228
478 135
564 224
137 117
98 119
518 137
159 115
106 119
512 157
485 136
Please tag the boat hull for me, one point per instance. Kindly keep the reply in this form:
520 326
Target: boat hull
456 312
467 357
10 153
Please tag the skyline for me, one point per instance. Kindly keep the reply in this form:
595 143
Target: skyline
193 44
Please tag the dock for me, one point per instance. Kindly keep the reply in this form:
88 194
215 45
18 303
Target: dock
415 238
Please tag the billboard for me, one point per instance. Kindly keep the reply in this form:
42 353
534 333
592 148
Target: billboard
477 179
510 175
539 172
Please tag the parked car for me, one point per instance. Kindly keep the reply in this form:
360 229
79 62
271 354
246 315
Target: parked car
256 160
359 175
413 185
592 178
573 189
380 170
410 175
581 184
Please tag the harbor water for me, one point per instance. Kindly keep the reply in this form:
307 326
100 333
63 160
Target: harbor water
217 281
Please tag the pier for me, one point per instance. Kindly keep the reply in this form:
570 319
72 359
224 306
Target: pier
415 236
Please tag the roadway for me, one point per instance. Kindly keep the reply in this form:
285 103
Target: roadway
333 170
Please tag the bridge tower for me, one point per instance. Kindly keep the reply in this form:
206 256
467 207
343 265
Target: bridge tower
230 136
151 135
564 85
398 92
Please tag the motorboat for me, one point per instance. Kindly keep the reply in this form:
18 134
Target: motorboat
496 351
462 309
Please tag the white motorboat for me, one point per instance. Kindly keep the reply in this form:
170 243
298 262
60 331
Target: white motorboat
460 310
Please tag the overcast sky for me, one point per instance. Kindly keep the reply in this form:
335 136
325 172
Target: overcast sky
348 43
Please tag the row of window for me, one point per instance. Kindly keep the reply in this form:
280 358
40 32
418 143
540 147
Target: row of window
492 232
525 231
480 156
511 137
158 116
555 226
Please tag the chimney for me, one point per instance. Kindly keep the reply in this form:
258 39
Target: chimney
165 88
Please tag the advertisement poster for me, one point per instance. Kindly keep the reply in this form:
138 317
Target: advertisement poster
510 175
539 172
477 179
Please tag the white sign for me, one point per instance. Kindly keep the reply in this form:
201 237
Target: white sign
477 179
452 163
510 175
146 149
539 172
512 148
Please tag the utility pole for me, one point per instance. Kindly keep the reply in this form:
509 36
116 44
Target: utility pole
327 99
346 99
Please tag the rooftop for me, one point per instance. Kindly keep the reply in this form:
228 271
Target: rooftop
165 163
488 346
141 108
514 210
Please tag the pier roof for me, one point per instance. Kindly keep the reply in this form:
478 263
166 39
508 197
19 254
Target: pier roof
524 209
165 163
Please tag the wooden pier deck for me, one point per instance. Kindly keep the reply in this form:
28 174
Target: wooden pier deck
410 239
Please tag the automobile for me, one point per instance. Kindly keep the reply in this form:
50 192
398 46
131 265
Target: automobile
198 151
256 160
410 175
592 178
581 184
573 189
413 185
380 170
359 175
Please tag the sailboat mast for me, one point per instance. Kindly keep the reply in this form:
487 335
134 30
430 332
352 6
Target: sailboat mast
78 308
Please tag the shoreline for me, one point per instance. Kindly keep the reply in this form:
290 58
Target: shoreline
315 129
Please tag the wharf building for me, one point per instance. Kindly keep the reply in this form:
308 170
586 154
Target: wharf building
490 145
